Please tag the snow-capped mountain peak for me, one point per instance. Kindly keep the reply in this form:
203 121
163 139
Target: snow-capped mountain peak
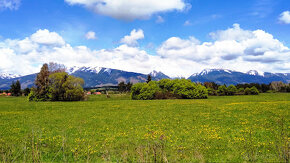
158 74
8 76
154 73
255 73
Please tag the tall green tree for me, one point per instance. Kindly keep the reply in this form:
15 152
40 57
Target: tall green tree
56 88
73 88
64 87
15 88
122 86
42 84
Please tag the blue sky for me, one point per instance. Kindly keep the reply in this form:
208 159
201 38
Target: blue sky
182 20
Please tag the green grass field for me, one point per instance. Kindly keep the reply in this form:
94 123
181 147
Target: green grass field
235 129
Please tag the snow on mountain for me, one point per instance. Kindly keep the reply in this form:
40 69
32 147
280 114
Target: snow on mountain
255 73
207 71
154 73
195 74
108 70
228 71
8 76
158 74
85 69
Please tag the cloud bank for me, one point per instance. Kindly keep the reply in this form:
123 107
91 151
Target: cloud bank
233 48
130 10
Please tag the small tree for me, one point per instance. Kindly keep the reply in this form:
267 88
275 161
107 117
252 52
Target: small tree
15 88
42 84
129 86
122 87
149 78
26 91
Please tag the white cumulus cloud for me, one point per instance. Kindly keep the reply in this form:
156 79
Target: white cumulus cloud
47 38
130 9
91 35
134 36
285 17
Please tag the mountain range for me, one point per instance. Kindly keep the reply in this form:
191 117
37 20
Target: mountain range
223 76
99 76
93 77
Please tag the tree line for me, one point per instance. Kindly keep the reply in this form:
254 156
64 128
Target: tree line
54 84
246 89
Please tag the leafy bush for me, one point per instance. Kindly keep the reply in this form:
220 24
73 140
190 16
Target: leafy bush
231 90
136 90
26 91
164 95
166 84
247 91
251 91
241 90
148 91
32 95
222 90
211 91
254 91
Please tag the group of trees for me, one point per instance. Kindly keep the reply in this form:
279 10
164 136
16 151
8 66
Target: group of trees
279 86
245 89
15 89
54 84
123 87
231 90
167 89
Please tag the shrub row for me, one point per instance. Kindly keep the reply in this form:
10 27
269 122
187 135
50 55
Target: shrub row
232 90
168 89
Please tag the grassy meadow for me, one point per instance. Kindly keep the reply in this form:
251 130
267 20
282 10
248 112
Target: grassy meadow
229 128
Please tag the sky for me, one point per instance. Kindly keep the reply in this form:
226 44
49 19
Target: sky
176 37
